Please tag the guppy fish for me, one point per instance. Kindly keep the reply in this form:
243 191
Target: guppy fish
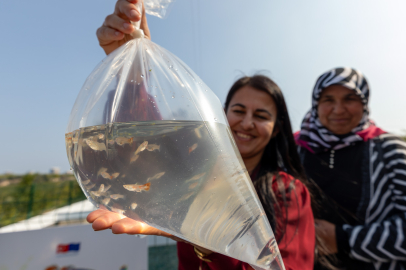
101 170
197 132
96 193
86 182
196 177
106 175
192 186
106 201
186 196
118 210
141 148
101 136
153 147
116 196
156 176
192 148
115 175
107 188
123 140
137 188
95 145
90 186
134 158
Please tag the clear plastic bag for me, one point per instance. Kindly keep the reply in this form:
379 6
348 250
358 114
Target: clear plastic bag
148 139
158 8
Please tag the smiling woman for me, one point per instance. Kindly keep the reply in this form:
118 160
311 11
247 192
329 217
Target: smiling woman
252 116
361 170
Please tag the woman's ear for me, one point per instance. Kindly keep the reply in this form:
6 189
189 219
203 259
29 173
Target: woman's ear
276 129
275 132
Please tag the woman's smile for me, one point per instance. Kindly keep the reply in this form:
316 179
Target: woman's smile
251 114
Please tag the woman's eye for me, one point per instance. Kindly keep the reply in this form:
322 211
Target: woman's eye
261 117
238 111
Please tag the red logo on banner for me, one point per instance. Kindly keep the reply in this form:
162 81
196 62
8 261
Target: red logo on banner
62 248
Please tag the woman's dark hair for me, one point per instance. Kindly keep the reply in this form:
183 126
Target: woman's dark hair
281 151
280 155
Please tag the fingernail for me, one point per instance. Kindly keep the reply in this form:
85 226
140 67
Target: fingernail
126 25
117 33
133 13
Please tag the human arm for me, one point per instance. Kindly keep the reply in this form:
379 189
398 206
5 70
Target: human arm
298 241
117 28
382 237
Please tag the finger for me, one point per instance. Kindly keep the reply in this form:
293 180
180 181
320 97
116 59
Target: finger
106 34
95 214
106 221
130 226
119 24
126 9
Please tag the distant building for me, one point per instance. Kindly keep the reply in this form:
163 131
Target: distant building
55 170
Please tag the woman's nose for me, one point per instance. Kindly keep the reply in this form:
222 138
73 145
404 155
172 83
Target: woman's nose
339 108
247 122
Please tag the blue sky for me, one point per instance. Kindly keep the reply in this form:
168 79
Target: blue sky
48 48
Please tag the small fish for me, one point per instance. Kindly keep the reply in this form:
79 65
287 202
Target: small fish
86 182
196 177
114 175
101 136
90 186
118 210
134 158
153 147
95 145
192 148
107 188
101 170
123 140
137 188
101 189
186 196
192 186
116 196
106 201
105 175
141 147
95 193
133 206
197 132
156 176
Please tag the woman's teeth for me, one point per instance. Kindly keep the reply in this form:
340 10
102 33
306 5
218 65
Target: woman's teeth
243 136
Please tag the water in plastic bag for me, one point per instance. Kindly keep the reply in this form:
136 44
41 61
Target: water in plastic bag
148 139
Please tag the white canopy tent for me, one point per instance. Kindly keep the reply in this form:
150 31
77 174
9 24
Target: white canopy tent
71 214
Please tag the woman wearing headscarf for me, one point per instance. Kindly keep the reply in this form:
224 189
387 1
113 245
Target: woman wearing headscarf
360 171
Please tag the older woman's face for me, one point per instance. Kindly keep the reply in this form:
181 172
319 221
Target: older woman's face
251 114
340 109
